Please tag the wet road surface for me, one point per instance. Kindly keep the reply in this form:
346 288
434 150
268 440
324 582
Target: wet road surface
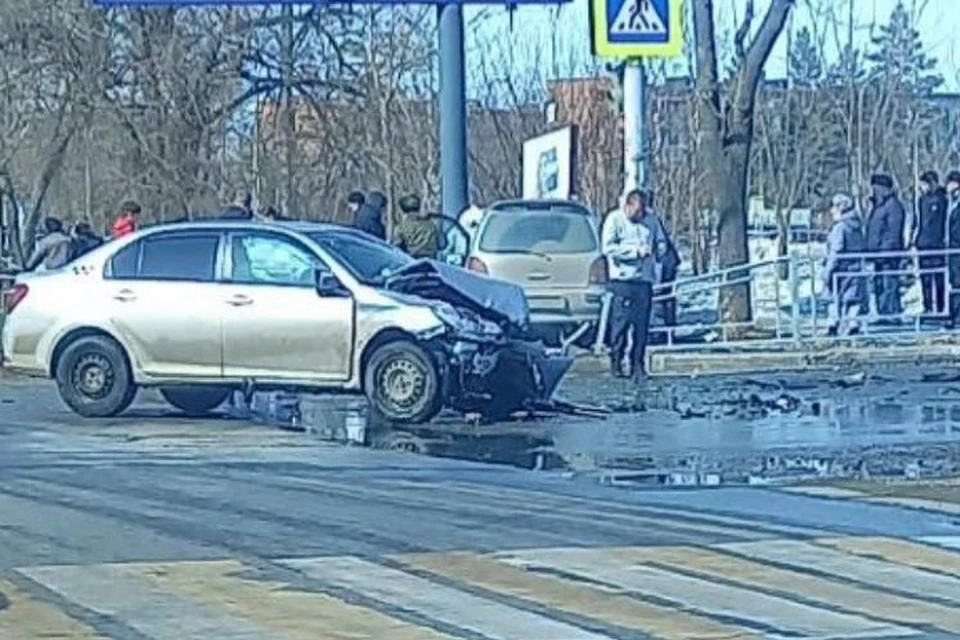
157 527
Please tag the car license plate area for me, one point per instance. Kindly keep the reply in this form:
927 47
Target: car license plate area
547 303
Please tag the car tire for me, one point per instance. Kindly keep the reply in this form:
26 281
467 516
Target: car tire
94 378
196 400
403 383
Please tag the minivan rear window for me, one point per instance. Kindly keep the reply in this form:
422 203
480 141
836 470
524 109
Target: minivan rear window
514 231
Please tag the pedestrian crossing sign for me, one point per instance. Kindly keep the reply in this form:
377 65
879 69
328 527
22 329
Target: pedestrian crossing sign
636 28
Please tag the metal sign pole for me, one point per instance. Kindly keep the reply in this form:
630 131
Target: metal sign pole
635 169
454 191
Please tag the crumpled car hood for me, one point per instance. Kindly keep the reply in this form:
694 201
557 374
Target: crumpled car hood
495 300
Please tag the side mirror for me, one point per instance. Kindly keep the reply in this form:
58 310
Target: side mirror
327 284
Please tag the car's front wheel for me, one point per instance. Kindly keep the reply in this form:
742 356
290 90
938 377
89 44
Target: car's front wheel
403 383
195 400
94 378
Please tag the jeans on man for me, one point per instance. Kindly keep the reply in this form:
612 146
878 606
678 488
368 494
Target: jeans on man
886 286
630 318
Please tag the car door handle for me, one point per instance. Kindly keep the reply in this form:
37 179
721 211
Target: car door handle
125 295
538 276
240 301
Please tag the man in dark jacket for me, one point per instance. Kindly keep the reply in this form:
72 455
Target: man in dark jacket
931 238
885 230
369 216
953 243
84 240
240 209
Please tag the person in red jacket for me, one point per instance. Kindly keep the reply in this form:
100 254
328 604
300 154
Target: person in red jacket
126 222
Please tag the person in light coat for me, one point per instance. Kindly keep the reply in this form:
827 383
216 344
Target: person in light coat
844 280
632 244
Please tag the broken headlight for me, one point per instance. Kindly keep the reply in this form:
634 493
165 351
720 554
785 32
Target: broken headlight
455 320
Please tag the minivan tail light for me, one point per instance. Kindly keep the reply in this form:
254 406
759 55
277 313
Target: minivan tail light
477 265
14 297
598 271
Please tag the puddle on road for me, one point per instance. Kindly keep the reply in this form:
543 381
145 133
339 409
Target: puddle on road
754 436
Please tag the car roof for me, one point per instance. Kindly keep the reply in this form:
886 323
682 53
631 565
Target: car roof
299 226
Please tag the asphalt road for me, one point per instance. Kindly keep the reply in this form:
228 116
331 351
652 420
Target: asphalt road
157 527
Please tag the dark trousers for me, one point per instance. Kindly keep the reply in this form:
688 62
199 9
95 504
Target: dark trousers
668 306
630 314
933 284
886 286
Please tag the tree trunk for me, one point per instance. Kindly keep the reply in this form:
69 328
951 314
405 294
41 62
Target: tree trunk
726 136
783 242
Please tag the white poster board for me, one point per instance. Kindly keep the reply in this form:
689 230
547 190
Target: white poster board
549 161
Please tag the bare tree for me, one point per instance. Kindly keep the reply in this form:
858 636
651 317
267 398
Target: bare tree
726 128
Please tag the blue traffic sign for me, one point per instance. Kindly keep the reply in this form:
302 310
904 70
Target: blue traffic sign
636 28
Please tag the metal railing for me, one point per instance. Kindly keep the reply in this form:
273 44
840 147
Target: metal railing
795 308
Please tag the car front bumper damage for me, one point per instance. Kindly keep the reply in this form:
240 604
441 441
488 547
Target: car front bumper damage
498 378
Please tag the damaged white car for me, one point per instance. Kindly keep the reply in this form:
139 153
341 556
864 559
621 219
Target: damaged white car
203 309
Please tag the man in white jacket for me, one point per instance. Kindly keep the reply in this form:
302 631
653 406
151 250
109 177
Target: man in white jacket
632 242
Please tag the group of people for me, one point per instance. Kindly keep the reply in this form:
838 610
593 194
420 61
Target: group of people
58 246
416 232
884 232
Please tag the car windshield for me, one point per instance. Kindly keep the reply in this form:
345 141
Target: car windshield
369 260
546 232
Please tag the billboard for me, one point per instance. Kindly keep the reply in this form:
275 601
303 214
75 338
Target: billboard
549 164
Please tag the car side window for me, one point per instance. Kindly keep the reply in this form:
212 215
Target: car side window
123 264
169 257
269 259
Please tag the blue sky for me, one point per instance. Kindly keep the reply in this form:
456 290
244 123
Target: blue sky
558 38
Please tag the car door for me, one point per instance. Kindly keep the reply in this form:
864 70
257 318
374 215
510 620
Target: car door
159 300
276 325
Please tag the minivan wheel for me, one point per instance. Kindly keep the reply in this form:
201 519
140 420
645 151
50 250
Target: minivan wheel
94 379
402 382
195 400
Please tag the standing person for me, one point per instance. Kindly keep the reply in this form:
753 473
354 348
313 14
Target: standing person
368 217
669 260
416 233
885 234
355 201
842 277
953 243
631 240
128 219
53 250
931 236
84 240
240 208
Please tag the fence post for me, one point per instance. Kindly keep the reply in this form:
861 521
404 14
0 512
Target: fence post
794 277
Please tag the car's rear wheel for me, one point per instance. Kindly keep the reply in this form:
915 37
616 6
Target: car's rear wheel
403 383
94 378
195 400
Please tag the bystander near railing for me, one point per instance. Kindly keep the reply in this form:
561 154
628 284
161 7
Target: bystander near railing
795 309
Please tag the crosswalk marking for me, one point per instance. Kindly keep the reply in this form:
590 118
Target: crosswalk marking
950 542
609 605
23 616
825 588
843 565
754 575
109 590
919 556
446 604
780 617
291 613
